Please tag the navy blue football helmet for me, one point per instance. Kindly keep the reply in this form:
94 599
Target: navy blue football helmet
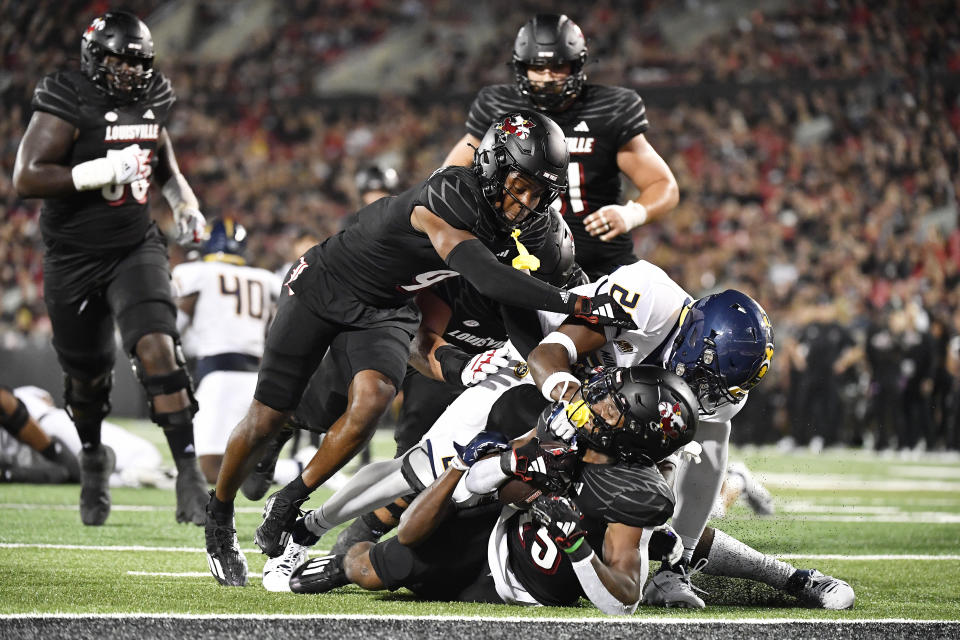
658 413
724 348
226 241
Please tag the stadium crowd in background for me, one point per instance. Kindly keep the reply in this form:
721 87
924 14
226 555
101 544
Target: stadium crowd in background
816 151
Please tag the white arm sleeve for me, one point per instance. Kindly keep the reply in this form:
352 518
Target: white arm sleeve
598 593
555 337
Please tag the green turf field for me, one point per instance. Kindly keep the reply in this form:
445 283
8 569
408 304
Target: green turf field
879 523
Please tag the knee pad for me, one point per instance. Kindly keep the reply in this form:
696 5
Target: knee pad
393 563
166 383
16 421
87 401
417 469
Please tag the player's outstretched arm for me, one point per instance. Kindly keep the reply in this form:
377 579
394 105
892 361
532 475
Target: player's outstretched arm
551 360
41 170
473 260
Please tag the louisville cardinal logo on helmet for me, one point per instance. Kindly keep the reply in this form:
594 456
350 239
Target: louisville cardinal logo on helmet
517 125
671 419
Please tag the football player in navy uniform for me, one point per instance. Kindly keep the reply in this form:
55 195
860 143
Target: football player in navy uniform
95 138
354 295
589 539
604 127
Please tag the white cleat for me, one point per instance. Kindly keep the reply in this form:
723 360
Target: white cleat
815 590
276 571
671 587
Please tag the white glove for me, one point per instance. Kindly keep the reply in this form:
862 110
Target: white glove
483 364
565 418
129 164
691 451
191 226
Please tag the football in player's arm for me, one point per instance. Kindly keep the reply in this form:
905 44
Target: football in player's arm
568 545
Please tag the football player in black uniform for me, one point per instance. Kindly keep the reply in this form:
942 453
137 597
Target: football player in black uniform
591 542
604 127
95 137
354 294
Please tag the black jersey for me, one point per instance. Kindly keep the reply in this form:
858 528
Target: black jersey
116 215
383 260
475 322
597 125
632 494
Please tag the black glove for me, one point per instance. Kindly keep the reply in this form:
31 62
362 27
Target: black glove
605 311
483 444
548 468
561 518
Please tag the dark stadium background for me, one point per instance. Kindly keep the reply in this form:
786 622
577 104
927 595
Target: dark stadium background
815 145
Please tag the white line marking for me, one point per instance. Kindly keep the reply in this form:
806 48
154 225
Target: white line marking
322 552
113 507
830 482
484 619
182 574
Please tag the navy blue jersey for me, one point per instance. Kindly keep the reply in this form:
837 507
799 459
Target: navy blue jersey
117 215
599 122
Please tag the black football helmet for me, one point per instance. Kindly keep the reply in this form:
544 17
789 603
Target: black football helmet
724 348
658 408
550 39
527 142
123 35
376 178
558 259
226 241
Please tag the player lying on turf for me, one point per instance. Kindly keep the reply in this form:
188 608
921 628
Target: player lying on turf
586 538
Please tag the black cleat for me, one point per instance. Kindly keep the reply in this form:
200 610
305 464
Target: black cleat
279 515
258 482
227 563
319 575
95 468
192 493
358 531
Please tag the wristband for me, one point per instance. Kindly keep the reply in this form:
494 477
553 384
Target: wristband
565 341
458 464
634 214
556 378
452 361
579 550
92 174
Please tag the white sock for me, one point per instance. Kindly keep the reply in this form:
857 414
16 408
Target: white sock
375 485
731 558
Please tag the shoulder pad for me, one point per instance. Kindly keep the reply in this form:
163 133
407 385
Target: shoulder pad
160 93
58 95
453 194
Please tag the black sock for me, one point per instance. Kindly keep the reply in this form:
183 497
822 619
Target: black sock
377 526
89 433
180 441
219 508
50 453
297 489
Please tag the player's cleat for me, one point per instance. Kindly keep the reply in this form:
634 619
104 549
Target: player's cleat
276 571
95 468
258 482
227 563
815 590
755 494
358 531
192 493
319 575
279 515
671 587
